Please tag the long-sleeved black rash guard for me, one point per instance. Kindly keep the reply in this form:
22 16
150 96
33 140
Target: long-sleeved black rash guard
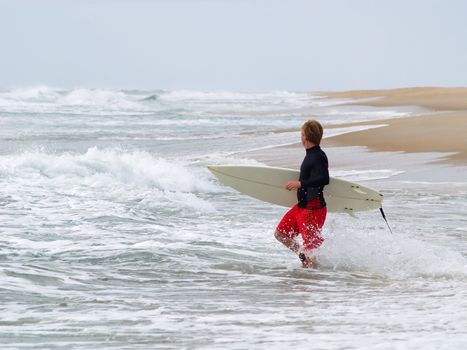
314 175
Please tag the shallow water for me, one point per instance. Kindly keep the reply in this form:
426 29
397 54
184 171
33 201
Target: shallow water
115 235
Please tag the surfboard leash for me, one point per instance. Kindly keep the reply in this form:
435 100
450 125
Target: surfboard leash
384 217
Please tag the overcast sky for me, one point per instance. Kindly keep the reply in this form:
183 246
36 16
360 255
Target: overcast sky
246 45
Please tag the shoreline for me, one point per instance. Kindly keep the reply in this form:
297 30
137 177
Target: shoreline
428 147
443 130
432 98
439 133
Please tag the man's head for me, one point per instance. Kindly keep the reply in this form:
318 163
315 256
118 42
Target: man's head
312 131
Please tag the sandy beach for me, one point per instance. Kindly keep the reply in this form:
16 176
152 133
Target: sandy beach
442 130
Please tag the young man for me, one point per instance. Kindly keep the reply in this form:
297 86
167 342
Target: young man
308 215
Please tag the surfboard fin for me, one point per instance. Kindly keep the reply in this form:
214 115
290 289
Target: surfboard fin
351 213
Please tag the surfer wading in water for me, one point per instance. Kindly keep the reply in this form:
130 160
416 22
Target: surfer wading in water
308 215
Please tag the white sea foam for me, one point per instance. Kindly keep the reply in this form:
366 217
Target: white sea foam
225 159
366 175
33 93
359 248
43 99
98 97
112 225
275 103
346 130
107 174
231 96
134 167
373 114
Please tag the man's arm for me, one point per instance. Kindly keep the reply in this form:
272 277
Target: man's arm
319 174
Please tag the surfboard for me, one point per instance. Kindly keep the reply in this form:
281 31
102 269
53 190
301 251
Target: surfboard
268 184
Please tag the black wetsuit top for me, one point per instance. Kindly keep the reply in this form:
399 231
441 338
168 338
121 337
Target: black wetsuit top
314 175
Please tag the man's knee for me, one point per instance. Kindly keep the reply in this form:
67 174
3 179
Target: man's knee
280 236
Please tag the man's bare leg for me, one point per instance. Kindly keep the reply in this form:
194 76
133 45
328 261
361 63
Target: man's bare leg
295 247
287 241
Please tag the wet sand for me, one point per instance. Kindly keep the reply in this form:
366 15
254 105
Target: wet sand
445 130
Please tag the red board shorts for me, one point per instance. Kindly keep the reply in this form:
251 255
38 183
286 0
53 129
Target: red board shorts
307 221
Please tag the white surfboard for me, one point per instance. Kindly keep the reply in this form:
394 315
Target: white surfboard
268 184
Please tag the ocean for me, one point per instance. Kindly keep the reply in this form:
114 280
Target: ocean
114 235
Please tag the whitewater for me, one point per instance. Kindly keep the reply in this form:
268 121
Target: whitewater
114 235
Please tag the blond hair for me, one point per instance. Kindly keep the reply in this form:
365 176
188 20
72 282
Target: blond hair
313 131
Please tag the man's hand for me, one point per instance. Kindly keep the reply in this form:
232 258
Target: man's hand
293 185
